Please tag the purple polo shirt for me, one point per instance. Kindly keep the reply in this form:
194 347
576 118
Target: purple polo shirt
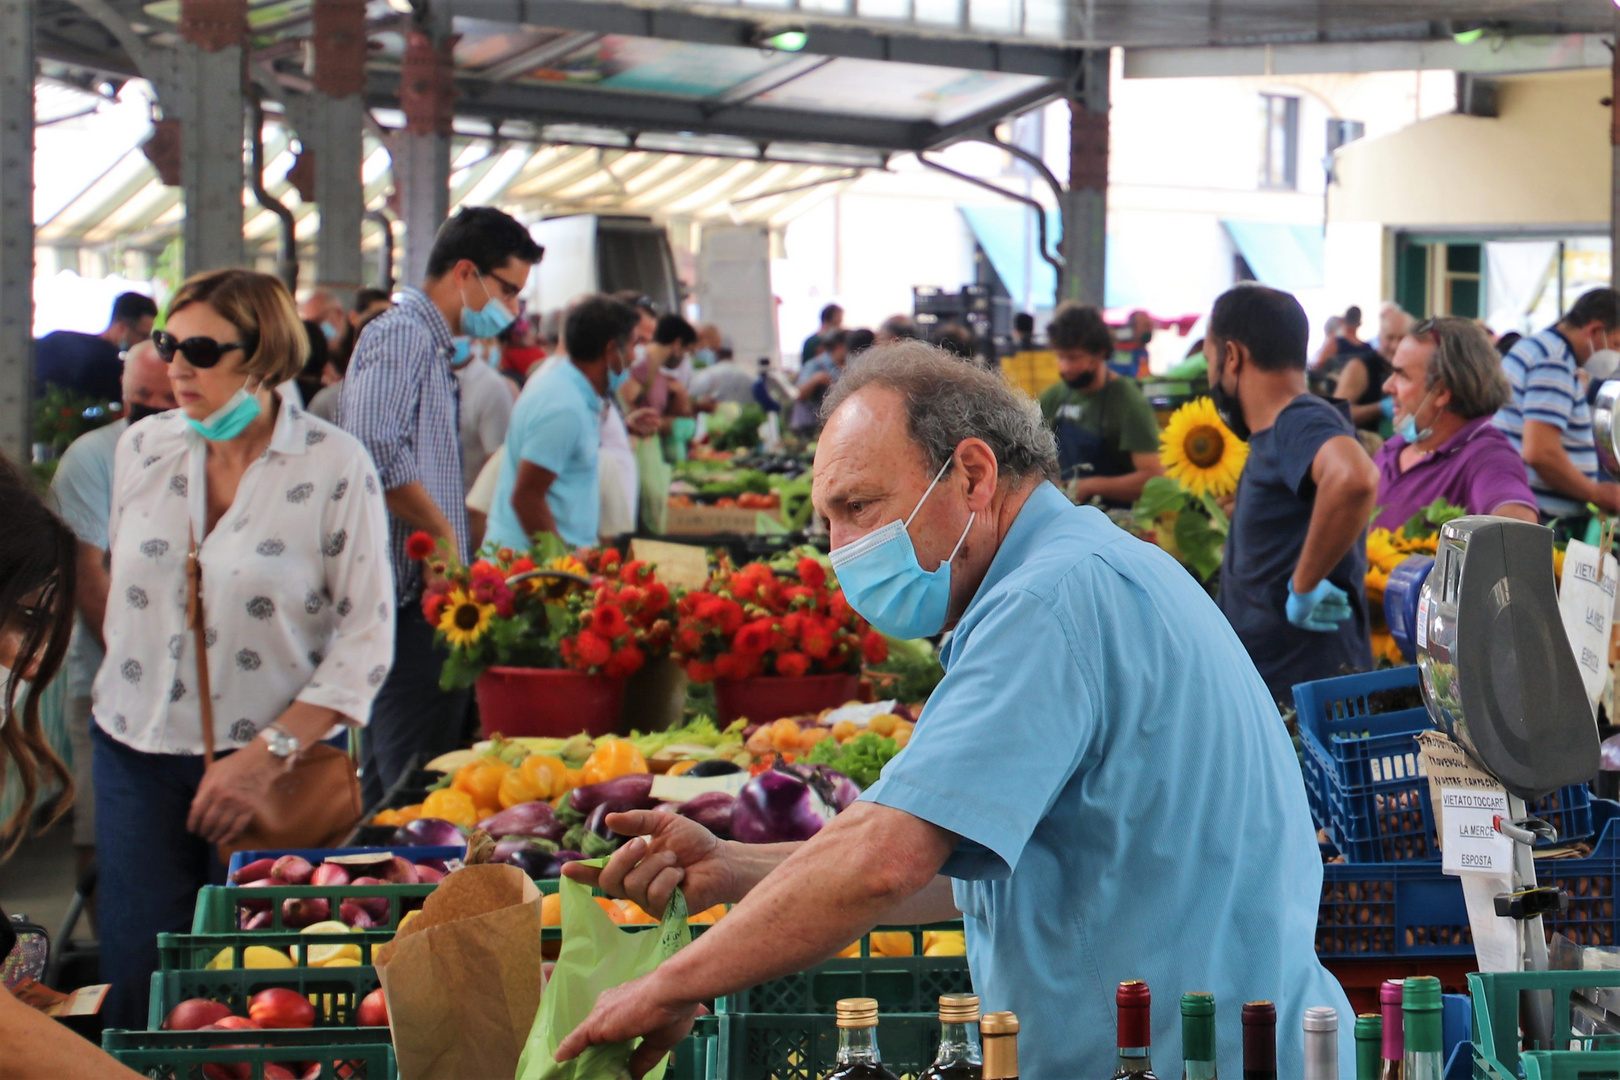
1477 469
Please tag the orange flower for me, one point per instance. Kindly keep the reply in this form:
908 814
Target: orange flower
754 638
522 566
419 546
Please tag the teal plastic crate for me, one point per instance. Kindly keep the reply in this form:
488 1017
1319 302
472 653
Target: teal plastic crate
335 992
900 984
1498 1050
344 1054
804 1046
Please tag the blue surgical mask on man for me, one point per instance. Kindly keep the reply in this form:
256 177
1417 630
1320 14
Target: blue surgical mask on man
1407 428
232 418
884 582
463 353
487 321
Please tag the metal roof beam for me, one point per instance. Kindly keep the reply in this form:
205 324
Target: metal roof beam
1485 56
559 104
825 38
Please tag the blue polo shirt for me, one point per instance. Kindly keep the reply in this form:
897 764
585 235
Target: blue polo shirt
1128 801
556 424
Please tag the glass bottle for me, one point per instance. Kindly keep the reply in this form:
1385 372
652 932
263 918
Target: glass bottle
1389 999
1321 1043
1259 1041
857 1042
1369 1045
1135 1004
1423 1056
958 1057
1000 1031
1198 1036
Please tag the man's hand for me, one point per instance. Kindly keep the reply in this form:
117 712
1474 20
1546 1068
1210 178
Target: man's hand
668 851
1322 609
1608 497
641 1007
643 421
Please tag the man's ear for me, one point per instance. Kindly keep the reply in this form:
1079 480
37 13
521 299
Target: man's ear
978 464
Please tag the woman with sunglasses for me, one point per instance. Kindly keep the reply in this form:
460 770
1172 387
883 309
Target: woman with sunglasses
37 553
287 518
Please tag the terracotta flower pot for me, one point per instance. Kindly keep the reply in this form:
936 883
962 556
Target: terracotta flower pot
548 702
769 697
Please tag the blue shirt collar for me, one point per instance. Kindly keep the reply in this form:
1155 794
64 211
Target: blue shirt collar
576 378
416 302
1042 507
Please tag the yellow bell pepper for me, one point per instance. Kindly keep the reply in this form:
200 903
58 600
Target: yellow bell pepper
613 758
546 773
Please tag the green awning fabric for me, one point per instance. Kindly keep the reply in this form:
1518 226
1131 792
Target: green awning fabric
1282 256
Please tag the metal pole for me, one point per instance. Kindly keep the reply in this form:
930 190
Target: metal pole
1085 205
287 249
1614 170
16 225
210 76
421 152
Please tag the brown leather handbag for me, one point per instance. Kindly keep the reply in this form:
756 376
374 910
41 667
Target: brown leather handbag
315 803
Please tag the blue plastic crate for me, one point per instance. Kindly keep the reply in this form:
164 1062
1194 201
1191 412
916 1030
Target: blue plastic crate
1412 909
319 855
1363 775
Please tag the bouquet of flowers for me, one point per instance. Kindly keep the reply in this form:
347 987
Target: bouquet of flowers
543 608
758 621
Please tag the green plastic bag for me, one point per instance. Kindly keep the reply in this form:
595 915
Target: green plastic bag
597 955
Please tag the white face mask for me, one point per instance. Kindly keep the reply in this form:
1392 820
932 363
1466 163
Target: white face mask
1603 364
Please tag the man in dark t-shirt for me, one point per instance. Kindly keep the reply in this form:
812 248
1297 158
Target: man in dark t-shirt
92 364
1293 581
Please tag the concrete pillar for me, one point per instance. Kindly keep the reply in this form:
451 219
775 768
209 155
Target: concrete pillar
16 225
1085 203
331 123
209 105
421 152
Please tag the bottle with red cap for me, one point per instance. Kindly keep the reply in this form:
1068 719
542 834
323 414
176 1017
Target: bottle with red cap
1135 1004
1259 1041
1389 999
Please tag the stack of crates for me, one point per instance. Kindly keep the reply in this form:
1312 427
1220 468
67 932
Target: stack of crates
1367 791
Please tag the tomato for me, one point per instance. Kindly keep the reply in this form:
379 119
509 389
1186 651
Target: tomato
279 1007
373 1010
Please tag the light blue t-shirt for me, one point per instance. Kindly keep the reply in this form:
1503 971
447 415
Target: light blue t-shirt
556 424
81 491
1129 803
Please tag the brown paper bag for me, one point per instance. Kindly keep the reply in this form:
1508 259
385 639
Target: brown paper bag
463 980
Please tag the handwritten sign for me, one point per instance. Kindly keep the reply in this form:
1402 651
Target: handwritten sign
1448 767
1586 600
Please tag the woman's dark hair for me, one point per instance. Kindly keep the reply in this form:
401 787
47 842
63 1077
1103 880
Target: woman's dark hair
37 553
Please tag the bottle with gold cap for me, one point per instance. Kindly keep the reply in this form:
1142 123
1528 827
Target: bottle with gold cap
958 1057
857 1042
1000 1032
1135 1004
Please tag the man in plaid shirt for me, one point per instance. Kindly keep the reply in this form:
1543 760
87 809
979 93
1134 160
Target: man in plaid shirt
400 399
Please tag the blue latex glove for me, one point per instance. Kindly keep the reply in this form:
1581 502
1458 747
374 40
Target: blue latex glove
1387 407
1322 609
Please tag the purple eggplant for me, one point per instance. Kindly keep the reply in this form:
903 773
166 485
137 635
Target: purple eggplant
776 806
712 810
527 854
427 832
633 791
836 790
536 819
554 867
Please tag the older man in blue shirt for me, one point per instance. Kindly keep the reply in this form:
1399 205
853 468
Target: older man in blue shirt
1101 783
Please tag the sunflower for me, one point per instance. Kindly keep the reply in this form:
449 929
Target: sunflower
464 620
1383 551
1199 452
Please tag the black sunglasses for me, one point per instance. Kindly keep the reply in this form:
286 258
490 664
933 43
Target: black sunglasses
200 352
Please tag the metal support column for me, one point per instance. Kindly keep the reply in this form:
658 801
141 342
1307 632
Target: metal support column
335 118
1614 169
209 78
421 152
1085 204
16 225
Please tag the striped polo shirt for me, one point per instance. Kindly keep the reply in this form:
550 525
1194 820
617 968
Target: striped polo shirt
1542 372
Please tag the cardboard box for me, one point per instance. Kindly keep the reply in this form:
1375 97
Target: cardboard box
709 520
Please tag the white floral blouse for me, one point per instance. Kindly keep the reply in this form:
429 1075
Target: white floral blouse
297 590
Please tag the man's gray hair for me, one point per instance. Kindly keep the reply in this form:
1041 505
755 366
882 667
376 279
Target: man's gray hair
948 400
1464 362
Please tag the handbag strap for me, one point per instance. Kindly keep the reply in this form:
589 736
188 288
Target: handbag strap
194 616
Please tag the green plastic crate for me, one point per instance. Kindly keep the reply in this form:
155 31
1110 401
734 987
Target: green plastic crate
217 904
804 1046
345 1054
697 1057
340 990
1497 1049
1588 1065
900 984
186 952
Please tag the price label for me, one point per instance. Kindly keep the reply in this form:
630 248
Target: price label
1423 621
1471 843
